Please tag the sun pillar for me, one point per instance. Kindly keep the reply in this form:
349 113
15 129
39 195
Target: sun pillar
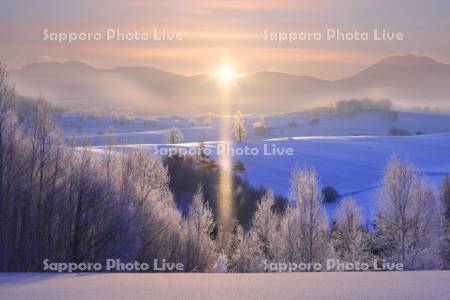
226 209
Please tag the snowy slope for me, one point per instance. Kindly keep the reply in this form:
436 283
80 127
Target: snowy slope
358 285
330 125
352 164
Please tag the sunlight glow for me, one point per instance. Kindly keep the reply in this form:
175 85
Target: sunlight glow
227 74
227 77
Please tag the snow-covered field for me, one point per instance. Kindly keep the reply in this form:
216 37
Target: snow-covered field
359 285
195 129
349 153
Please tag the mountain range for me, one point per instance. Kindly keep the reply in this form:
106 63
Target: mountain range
407 80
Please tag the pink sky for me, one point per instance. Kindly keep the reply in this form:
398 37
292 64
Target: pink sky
218 31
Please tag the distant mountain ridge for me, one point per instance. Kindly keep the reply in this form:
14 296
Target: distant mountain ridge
408 80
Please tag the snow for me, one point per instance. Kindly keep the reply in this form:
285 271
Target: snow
364 124
333 285
352 164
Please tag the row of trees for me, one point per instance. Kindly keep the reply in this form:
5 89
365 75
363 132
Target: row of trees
355 106
68 204
412 225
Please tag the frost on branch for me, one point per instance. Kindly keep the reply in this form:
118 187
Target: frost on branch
173 136
407 227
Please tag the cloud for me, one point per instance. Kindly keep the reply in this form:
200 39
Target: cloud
214 29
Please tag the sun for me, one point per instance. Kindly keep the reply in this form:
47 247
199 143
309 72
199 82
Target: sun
226 74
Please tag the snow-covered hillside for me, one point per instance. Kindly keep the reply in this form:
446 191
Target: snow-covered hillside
137 130
353 165
349 153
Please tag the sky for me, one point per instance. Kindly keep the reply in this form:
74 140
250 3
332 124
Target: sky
217 33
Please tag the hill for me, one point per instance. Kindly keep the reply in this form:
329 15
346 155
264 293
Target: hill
408 80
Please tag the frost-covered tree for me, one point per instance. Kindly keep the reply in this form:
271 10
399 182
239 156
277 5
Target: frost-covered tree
151 120
66 203
445 206
263 238
305 225
92 213
239 130
199 225
351 241
7 120
221 264
173 136
260 128
156 218
229 243
261 123
10 160
407 227
46 165
234 248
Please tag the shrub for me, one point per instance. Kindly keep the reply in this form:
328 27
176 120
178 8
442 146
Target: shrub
261 128
263 131
314 121
398 132
104 132
238 167
123 119
329 194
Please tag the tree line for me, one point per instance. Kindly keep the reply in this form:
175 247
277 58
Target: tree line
66 203
411 225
